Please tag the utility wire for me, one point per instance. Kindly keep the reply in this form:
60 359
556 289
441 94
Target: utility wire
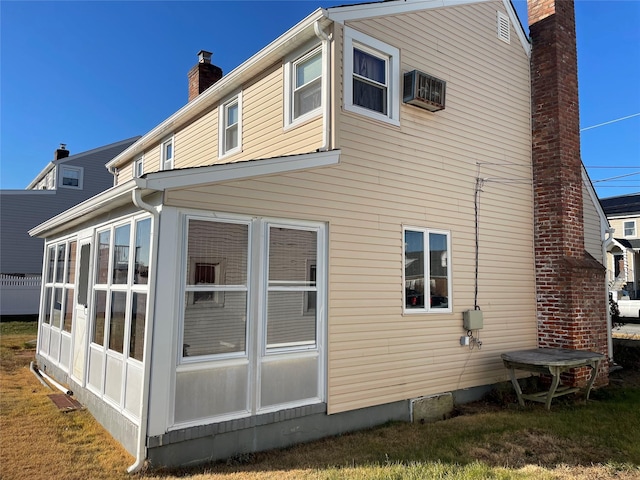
610 121
615 178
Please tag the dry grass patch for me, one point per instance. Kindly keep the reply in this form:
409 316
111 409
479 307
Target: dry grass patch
40 442
599 440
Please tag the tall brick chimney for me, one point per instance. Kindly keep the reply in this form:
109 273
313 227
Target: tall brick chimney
61 152
202 75
571 291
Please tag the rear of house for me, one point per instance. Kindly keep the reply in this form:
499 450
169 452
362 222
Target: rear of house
291 254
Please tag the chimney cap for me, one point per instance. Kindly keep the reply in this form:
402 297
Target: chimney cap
63 146
204 56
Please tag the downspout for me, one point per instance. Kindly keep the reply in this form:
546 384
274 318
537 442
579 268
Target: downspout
114 171
141 452
326 86
608 240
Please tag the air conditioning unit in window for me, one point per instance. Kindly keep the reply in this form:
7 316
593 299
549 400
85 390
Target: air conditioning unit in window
424 91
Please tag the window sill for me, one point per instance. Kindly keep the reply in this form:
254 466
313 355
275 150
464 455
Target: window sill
370 115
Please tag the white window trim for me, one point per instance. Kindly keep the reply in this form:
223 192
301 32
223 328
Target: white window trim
289 86
427 271
137 173
214 357
353 38
163 161
624 228
222 126
80 171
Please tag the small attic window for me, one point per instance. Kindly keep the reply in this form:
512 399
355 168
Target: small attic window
504 28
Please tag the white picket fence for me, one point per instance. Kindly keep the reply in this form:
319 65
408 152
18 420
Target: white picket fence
19 295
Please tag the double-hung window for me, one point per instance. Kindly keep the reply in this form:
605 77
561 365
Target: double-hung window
71 177
372 72
230 134
303 80
166 154
138 167
427 270
630 228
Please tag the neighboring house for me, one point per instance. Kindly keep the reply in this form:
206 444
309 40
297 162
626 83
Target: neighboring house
623 264
290 255
66 181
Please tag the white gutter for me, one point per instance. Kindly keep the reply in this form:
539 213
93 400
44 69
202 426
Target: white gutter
102 200
141 451
326 85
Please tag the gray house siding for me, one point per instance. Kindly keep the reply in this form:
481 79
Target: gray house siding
21 210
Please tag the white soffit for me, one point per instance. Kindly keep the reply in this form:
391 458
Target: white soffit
169 179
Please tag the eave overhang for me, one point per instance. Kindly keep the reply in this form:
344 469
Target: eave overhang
122 195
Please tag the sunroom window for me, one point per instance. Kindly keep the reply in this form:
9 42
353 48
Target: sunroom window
120 291
291 319
216 288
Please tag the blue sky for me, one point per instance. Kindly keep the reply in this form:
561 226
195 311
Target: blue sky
89 73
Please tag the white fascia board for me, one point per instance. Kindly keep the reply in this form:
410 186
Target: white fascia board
289 41
225 172
107 200
586 180
379 9
40 176
370 10
517 25
76 157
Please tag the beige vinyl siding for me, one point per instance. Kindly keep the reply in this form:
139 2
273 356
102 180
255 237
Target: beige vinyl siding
263 133
592 227
421 174
197 144
376 355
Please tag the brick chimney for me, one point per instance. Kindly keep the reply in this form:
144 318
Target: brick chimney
61 152
571 289
202 75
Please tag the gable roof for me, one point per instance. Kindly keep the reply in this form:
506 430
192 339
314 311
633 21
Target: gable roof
288 42
77 158
622 205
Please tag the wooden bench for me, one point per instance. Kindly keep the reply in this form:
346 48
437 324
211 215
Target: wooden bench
553 361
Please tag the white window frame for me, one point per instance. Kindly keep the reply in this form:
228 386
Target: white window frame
629 226
138 167
217 301
167 164
290 86
427 271
78 170
391 55
223 151
257 286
